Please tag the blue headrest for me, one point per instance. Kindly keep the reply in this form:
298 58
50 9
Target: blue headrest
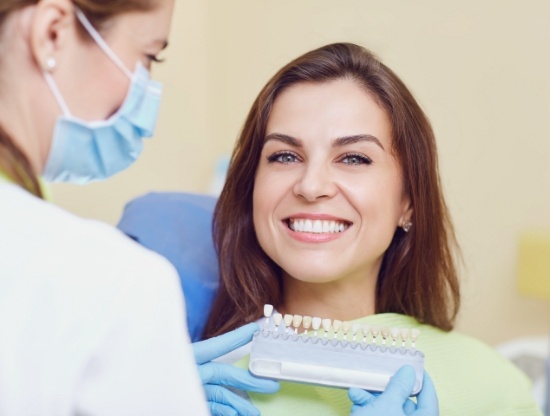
179 227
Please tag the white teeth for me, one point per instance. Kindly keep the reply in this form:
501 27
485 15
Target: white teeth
317 226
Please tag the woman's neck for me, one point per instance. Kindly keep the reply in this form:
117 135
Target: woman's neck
340 299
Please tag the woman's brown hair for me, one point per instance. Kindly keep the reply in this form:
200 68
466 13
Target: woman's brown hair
418 275
13 161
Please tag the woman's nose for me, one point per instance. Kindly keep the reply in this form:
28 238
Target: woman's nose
315 182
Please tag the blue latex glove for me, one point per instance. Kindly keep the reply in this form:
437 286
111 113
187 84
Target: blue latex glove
394 401
215 376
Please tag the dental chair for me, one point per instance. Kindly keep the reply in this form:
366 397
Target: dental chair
178 226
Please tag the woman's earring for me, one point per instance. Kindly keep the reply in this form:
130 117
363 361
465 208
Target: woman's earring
406 225
50 64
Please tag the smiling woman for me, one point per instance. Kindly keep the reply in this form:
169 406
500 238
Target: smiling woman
332 207
357 149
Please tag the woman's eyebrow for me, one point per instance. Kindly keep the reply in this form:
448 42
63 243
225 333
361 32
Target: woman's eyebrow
289 140
340 141
346 140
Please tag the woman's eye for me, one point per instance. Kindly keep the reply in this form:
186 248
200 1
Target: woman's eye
355 159
284 158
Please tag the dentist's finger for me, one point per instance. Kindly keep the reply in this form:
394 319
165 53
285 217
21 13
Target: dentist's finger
212 348
228 375
225 402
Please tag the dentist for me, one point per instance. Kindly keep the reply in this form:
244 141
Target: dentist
90 323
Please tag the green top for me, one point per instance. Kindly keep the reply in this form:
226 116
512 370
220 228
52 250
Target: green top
471 379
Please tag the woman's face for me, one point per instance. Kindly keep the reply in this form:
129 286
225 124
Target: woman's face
100 84
328 193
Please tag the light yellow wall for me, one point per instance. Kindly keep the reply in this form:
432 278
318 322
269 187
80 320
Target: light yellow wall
481 70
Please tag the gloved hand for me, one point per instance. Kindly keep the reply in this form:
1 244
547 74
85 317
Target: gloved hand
394 401
215 376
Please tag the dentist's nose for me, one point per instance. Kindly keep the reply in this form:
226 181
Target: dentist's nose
315 182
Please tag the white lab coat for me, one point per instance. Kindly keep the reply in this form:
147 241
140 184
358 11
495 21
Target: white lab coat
91 323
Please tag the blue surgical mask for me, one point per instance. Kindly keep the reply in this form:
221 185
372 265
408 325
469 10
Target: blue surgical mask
84 151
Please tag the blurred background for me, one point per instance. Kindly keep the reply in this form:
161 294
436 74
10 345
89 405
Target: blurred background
480 70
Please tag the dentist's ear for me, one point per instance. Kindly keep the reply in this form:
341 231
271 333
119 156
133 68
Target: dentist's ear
52 23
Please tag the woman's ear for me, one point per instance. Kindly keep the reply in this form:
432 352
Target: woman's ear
50 27
406 213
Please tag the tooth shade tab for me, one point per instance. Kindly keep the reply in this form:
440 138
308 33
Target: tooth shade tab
336 325
415 333
306 322
394 336
296 321
268 310
385 331
365 329
327 324
277 318
355 329
346 326
404 334
317 226
316 324
287 319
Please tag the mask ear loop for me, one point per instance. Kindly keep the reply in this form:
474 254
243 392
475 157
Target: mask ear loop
57 94
100 42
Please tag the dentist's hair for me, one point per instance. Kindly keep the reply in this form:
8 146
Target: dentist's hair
13 161
418 273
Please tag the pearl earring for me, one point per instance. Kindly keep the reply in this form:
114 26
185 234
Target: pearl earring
50 63
406 225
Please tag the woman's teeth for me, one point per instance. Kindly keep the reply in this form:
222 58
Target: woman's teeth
317 226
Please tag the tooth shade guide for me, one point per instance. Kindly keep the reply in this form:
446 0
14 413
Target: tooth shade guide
315 360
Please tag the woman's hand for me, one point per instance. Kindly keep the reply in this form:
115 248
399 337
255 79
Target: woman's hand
394 401
217 376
